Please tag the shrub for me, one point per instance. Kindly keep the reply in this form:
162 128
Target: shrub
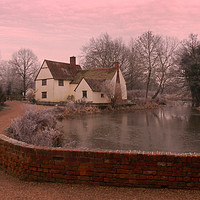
138 97
71 98
37 127
30 95
73 109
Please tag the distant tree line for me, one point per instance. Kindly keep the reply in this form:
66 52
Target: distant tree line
153 63
17 74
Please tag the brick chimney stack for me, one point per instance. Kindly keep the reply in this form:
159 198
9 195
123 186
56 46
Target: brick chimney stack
73 61
116 65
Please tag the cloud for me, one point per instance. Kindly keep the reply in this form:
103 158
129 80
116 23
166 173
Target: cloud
61 27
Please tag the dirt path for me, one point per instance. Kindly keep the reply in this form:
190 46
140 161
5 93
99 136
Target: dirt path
14 189
14 109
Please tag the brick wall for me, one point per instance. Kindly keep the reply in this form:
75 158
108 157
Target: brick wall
137 169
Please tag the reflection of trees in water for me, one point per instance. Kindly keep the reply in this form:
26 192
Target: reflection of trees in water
164 129
106 132
194 121
192 133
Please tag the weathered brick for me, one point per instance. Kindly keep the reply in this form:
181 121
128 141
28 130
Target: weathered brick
97 179
161 164
187 179
149 172
178 173
164 173
58 167
179 178
164 178
172 178
33 168
85 173
123 171
58 176
84 178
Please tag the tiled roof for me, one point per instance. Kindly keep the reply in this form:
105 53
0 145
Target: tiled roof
60 70
94 74
95 85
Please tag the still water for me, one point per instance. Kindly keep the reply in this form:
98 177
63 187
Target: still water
174 128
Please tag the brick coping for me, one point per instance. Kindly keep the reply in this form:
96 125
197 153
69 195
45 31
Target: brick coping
23 144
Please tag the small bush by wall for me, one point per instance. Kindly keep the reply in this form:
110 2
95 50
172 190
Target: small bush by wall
37 127
137 169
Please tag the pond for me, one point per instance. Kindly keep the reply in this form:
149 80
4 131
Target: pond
173 128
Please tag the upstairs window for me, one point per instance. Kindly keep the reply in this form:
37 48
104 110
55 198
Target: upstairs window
44 81
84 94
102 95
60 82
44 95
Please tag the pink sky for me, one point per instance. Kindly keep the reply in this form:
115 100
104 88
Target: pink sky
58 29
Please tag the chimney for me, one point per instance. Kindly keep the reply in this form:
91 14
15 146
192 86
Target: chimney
73 61
116 65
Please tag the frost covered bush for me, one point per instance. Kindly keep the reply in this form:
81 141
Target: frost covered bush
138 96
71 110
30 95
37 127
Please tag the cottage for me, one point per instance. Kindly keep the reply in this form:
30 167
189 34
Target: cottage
57 82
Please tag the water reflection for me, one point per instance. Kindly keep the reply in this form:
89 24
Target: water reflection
171 129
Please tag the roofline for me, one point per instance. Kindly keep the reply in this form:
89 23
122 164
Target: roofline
79 84
59 62
39 70
56 61
99 68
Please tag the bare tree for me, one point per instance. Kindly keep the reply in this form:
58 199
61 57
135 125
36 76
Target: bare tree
134 72
147 50
26 64
166 52
190 66
103 52
8 83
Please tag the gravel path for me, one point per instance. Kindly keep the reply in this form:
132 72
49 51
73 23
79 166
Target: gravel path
14 109
12 188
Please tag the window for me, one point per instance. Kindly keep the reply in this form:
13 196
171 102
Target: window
84 94
44 81
44 95
60 82
102 95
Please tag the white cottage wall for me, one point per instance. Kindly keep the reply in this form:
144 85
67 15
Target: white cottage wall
61 92
83 86
49 88
98 99
44 73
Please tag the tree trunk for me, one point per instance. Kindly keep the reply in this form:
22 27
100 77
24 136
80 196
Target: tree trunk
147 87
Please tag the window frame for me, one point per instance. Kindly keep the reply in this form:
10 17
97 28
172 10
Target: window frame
102 95
44 95
44 82
84 94
60 82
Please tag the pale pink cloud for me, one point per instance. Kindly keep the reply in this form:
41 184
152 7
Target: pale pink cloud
58 29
